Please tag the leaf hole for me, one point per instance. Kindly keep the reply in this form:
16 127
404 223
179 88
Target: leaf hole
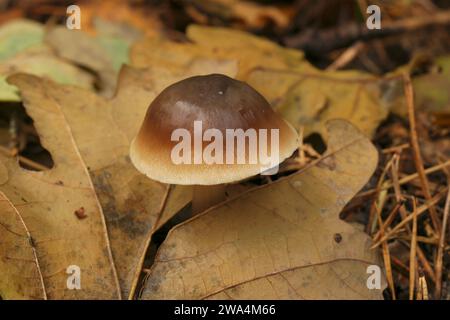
22 140
317 142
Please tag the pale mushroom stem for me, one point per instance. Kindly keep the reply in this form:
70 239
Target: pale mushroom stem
207 196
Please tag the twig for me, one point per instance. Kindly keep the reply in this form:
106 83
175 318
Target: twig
346 57
422 239
422 293
406 179
426 265
388 221
440 253
322 41
373 208
400 266
397 190
386 256
420 210
409 95
396 149
412 253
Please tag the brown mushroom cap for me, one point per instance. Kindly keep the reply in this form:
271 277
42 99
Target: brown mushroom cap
219 102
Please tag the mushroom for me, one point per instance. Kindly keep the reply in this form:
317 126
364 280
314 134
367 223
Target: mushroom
201 131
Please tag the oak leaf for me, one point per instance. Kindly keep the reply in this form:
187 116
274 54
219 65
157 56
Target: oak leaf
283 240
47 202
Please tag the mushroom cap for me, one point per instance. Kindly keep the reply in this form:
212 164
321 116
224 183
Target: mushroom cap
220 103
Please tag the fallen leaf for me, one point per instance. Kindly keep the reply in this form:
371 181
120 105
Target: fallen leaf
21 273
140 17
283 240
219 44
116 39
252 15
431 89
430 79
311 99
46 202
18 35
41 63
134 206
83 49
22 50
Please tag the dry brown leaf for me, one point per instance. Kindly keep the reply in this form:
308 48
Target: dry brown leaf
280 241
134 206
251 14
311 99
42 63
21 273
219 44
86 51
48 201
120 12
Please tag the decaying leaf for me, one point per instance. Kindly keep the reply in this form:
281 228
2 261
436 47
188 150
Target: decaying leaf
104 53
131 202
47 202
432 89
21 273
431 92
216 43
40 62
22 50
311 99
85 51
116 39
251 14
119 12
19 35
280 241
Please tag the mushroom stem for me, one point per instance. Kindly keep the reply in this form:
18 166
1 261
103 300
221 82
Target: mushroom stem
206 196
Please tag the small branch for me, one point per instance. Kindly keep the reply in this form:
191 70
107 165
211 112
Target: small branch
322 41
406 179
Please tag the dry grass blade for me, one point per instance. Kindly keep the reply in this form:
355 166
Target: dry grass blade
373 208
388 221
422 292
440 252
413 250
386 256
420 210
29 281
409 94
407 179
